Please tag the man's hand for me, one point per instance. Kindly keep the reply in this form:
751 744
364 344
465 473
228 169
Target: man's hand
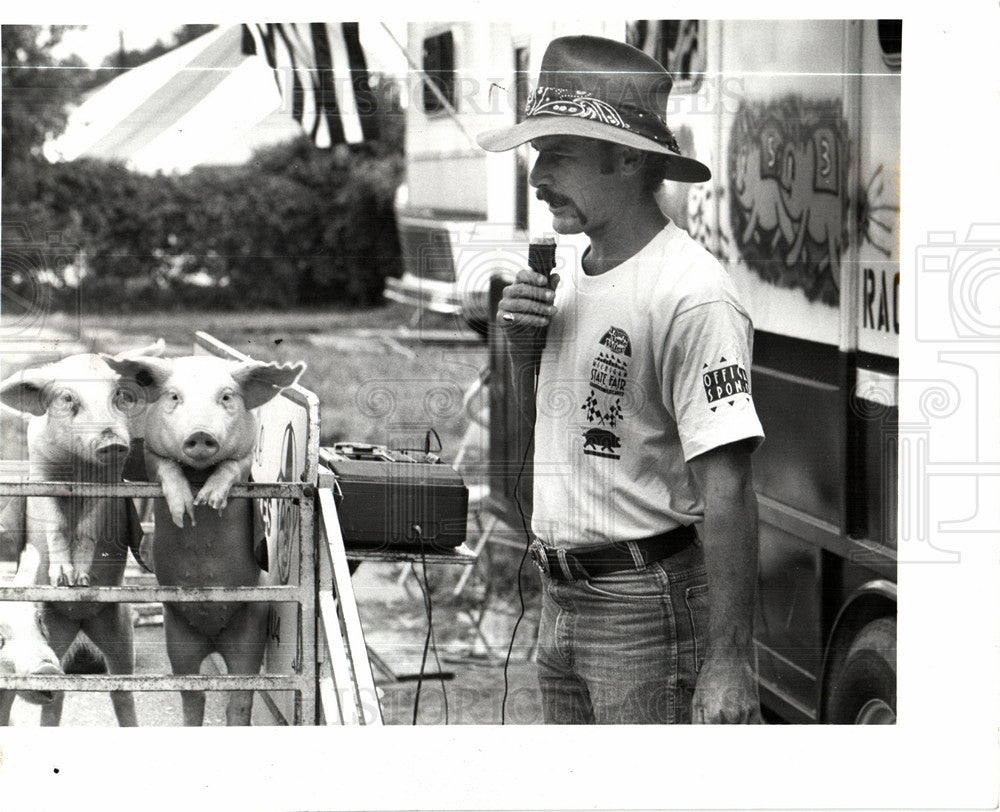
526 308
726 694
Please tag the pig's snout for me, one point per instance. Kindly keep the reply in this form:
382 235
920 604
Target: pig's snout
201 446
110 445
45 668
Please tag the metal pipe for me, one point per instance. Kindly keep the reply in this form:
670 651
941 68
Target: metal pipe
150 594
255 490
153 682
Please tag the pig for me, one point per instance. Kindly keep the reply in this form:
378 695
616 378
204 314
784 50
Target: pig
199 440
24 650
79 430
810 190
755 185
607 441
23 647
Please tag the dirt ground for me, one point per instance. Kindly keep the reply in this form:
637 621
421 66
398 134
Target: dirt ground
470 663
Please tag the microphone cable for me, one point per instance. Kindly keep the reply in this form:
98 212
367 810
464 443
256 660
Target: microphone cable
430 641
520 566
541 259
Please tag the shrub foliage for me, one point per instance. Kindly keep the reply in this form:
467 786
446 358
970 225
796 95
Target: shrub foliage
294 226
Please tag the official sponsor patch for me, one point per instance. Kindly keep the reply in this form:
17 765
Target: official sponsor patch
725 383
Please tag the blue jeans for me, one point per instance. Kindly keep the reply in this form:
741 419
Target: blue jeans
624 648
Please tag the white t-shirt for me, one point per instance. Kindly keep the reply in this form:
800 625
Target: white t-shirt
645 366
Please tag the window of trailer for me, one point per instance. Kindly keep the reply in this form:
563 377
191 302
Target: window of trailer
439 68
678 45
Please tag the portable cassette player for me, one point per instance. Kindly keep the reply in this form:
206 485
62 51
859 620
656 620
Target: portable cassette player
393 498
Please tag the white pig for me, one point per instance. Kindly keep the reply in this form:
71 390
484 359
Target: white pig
24 650
199 440
78 431
23 647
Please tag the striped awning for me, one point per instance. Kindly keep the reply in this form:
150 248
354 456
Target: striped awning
322 75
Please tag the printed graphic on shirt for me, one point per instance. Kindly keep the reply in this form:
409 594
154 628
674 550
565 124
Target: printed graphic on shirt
725 383
617 340
603 406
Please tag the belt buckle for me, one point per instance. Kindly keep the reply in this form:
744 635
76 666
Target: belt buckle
538 555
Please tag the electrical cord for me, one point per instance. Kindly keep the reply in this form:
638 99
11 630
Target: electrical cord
434 646
524 555
430 641
541 260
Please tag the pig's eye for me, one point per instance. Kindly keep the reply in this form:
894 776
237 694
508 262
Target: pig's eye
227 398
173 397
65 402
124 400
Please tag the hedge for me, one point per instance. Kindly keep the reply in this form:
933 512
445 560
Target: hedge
294 226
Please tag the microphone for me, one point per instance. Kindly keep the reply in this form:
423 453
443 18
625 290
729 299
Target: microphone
541 259
542 255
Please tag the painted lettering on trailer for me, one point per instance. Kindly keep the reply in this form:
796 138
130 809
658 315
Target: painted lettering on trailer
880 301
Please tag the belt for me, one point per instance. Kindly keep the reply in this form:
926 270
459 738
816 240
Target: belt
579 565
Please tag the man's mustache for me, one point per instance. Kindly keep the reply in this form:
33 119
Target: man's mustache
546 195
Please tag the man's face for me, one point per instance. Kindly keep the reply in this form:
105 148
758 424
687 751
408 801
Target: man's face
568 176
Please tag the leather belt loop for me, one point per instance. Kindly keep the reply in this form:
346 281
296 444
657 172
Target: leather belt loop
564 565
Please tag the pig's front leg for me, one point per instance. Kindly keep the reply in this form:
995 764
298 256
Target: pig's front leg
45 512
91 520
176 489
60 557
215 491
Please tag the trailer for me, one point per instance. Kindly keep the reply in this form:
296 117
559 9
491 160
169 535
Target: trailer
799 122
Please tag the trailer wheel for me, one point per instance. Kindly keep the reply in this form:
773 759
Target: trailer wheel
863 691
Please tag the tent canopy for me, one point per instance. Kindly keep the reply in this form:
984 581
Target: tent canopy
202 103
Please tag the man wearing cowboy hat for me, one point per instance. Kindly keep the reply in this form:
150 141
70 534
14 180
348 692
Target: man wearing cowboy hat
644 419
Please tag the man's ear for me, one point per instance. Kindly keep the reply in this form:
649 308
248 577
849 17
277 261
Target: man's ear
630 160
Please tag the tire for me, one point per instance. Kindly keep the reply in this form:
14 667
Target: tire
863 691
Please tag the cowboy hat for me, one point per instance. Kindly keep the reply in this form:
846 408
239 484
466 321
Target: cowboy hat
599 88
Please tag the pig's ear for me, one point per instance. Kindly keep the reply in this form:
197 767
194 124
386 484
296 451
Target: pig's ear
259 382
153 350
27 391
145 370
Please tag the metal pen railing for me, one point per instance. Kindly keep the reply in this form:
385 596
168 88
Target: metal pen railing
302 681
